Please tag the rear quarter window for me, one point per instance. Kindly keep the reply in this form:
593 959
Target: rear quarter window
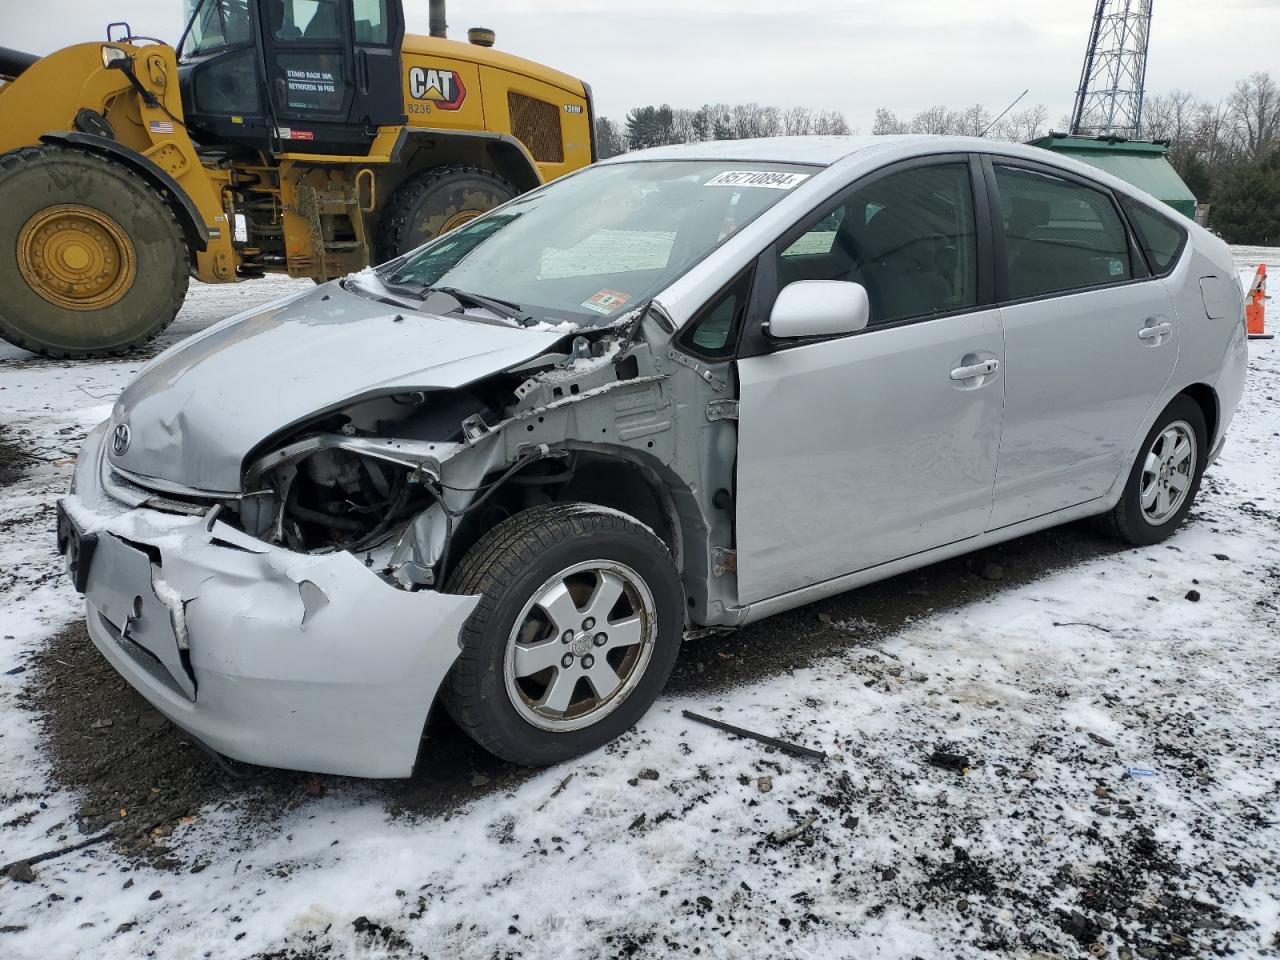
1161 239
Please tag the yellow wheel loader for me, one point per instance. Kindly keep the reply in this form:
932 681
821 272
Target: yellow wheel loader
308 137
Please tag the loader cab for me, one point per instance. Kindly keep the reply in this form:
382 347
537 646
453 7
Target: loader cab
292 76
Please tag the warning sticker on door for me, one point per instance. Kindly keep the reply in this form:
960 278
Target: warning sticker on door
312 90
606 301
773 179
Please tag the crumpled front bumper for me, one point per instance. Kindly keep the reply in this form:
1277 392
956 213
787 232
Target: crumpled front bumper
265 655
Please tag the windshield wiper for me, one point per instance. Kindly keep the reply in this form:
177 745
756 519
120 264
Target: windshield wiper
503 308
421 291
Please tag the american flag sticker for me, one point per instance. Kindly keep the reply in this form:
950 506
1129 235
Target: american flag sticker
160 126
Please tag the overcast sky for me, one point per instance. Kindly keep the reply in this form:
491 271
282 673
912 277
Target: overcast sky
849 55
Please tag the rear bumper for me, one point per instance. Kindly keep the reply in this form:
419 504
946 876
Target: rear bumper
267 656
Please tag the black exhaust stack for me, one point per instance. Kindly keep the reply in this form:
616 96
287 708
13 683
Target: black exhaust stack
436 24
14 62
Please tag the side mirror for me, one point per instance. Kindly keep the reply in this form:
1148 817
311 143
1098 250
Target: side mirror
819 308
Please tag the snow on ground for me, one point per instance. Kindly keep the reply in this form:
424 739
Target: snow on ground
680 839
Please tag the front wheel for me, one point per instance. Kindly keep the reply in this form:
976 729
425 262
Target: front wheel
578 626
1164 479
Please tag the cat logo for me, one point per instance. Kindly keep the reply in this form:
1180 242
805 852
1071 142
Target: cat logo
442 87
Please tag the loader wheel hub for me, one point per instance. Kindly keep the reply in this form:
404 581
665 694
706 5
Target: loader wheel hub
458 219
76 257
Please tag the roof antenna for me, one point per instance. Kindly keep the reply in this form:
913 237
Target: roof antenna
1004 111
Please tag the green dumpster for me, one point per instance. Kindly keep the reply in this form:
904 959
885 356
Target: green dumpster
1140 162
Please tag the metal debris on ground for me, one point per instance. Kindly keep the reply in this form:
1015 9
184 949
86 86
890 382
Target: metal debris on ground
792 748
556 792
782 836
950 761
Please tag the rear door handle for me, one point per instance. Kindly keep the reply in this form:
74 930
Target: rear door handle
1155 331
975 370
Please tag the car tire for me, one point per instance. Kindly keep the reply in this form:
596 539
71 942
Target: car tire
1137 517
516 663
434 202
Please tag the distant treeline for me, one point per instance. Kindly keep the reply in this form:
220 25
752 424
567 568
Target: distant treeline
1227 151
659 126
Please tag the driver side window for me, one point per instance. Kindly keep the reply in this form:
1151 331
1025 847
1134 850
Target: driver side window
909 238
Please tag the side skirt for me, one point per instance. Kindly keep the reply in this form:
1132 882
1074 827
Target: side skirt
741 616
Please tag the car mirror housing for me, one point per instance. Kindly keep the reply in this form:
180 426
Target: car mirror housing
819 308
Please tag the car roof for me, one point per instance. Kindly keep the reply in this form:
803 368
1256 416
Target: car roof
830 151
855 155
822 151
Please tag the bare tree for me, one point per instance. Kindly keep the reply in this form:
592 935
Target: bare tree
936 119
831 123
797 121
1024 125
1167 116
747 121
683 126
887 122
770 122
1209 126
972 121
1255 108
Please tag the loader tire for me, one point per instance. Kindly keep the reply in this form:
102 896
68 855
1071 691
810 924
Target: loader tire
99 266
434 202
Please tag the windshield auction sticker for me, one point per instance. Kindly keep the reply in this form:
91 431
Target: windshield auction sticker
606 301
773 179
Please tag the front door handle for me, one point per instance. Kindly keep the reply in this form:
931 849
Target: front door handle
1156 330
975 370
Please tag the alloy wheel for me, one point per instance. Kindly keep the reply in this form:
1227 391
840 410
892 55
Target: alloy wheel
1167 472
580 645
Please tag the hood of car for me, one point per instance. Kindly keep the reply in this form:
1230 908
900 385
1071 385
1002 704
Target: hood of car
197 410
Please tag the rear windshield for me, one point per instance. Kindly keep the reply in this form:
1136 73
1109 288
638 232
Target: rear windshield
601 242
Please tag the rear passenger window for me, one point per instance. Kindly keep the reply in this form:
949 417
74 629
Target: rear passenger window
1161 239
908 238
1059 236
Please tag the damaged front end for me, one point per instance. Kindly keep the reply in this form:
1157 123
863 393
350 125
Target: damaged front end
403 479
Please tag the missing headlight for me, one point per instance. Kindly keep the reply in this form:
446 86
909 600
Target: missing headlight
340 500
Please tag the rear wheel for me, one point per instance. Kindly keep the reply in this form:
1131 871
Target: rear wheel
434 202
99 264
578 626
1164 480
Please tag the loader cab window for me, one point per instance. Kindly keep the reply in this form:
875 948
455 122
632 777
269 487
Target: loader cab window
371 22
305 19
221 23
219 67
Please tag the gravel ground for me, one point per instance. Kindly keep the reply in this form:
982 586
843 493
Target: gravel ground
1053 664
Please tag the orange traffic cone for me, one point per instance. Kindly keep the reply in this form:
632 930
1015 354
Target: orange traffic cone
1254 306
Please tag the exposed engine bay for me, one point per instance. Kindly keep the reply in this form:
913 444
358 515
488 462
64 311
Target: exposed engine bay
407 480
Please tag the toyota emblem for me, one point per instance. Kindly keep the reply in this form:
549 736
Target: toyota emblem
120 439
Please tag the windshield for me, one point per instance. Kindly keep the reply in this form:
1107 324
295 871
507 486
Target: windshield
601 242
220 23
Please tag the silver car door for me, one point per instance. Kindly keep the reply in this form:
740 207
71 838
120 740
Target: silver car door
861 449
1089 344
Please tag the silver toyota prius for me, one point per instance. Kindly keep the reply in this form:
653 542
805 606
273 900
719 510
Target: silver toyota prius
680 390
